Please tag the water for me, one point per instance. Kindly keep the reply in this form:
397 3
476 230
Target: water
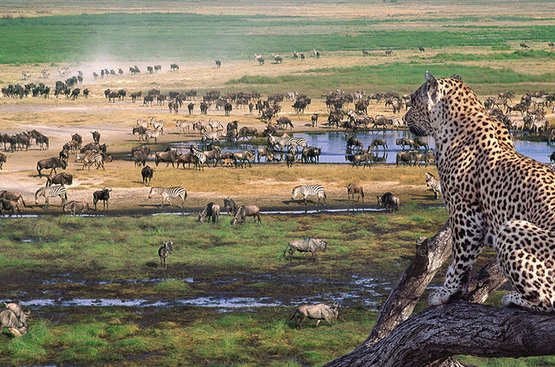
334 144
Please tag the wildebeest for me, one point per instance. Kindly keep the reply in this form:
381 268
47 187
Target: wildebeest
353 190
241 158
163 252
50 163
405 158
317 312
389 201
246 211
247 133
218 63
377 143
9 206
12 196
305 246
3 159
96 137
102 195
9 320
167 157
76 207
211 211
59 179
147 174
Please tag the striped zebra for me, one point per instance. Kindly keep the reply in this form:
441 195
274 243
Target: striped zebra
51 192
97 159
433 184
169 193
150 133
199 158
289 143
308 190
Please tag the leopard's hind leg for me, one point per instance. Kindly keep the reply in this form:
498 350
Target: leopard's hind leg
526 255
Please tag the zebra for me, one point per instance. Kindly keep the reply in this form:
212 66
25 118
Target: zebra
153 133
169 193
51 192
287 141
199 158
97 159
433 184
307 190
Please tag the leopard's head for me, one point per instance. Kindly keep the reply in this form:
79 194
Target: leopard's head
418 118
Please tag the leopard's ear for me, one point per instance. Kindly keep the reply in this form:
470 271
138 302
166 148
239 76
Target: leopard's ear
431 86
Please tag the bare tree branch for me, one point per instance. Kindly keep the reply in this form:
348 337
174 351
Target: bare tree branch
459 328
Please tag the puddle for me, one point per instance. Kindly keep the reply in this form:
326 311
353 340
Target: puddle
108 282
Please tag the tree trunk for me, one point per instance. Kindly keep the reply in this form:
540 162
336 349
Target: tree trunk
434 336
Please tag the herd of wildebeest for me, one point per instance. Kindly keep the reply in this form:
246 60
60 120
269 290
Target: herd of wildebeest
279 146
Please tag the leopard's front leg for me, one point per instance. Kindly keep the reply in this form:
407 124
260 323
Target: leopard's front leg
468 228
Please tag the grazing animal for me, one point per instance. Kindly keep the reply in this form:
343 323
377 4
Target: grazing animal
230 205
102 195
305 246
51 192
97 159
169 193
8 319
168 157
246 211
12 196
147 174
96 137
317 312
59 179
493 194
309 190
3 159
377 143
211 211
389 201
9 206
353 190
163 252
433 184
76 207
51 163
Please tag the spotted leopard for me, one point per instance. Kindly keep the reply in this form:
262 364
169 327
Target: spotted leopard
494 195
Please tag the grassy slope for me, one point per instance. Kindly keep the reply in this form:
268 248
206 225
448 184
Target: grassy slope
202 37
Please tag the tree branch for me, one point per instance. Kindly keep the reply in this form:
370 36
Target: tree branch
459 328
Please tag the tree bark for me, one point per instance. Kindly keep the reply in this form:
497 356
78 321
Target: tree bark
434 336
459 328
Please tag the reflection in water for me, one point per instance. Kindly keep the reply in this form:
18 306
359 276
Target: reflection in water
335 150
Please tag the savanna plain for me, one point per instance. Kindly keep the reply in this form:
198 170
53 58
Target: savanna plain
97 293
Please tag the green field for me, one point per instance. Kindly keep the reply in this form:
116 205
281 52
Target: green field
93 249
130 37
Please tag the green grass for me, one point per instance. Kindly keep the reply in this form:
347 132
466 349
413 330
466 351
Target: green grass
401 77
540 55
127 37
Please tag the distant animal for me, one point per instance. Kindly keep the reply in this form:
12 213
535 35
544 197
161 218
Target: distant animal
211 211
3 159
8 319
147 174
246 211
59 179
433 183
96 137
102 195
218 63
169 193
377 143
389 201
17 309
76 207
163 252
314 120
305 246
9 206
353 190
12 196
317 312
51 192
552 157
51 163
309 190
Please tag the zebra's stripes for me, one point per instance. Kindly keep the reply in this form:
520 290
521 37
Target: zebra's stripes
94 158
433 184
309 190
169 193
199 159
51 192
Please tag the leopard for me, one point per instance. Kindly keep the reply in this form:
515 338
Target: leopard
494 195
